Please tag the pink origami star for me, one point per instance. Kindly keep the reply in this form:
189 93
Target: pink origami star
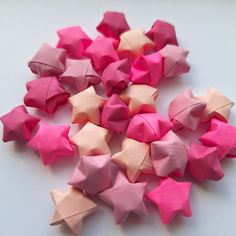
92 174
52 142
18 124
125 198
148 127
204 163
74 40
171 198
113 24
45 94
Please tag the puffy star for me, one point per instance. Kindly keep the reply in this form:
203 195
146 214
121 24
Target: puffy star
86 106
140 98
125 198
134 158
51 142
204 163
92 140
171 198
18 124
71 208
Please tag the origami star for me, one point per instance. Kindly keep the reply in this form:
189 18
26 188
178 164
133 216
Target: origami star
92 174
74 40
169 155
171 198
175 62
222 136
115 114
116 76
134 158
113 24
147 69
51 142
217 105
134 43
48 97
204 163
71 208
140 98
102 53
148 127
185 110
86 106
125 198
80 74
48 61
18 124
162 33
92 140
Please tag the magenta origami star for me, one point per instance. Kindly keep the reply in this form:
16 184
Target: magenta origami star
125 198
171 198
52 142
18 124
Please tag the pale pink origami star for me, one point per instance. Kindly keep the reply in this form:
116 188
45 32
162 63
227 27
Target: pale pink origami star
221 135
125 198
74 40
48 61
18 124
115 114
71 208
204 163
171 198
52 143
45 94
162 33
92 174
116 76
148 127
185 110
113 24
169 155
175 62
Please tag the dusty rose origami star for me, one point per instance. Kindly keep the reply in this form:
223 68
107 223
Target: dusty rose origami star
134 158
18 124
204 163
185 110
71 208
48 61
113 24
45 94
74 40
52 143
125 198
169 155
171 198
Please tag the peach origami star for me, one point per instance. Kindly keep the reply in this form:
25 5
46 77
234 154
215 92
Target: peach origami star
217 105
71 208
140 98
125 198
134 158
171 198
86 106
92 140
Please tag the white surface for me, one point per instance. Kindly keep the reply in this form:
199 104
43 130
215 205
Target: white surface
206 28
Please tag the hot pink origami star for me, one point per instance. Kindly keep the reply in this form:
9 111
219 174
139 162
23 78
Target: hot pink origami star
74 40
171 198
52 142
148 127
45 94
125 198
18 124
